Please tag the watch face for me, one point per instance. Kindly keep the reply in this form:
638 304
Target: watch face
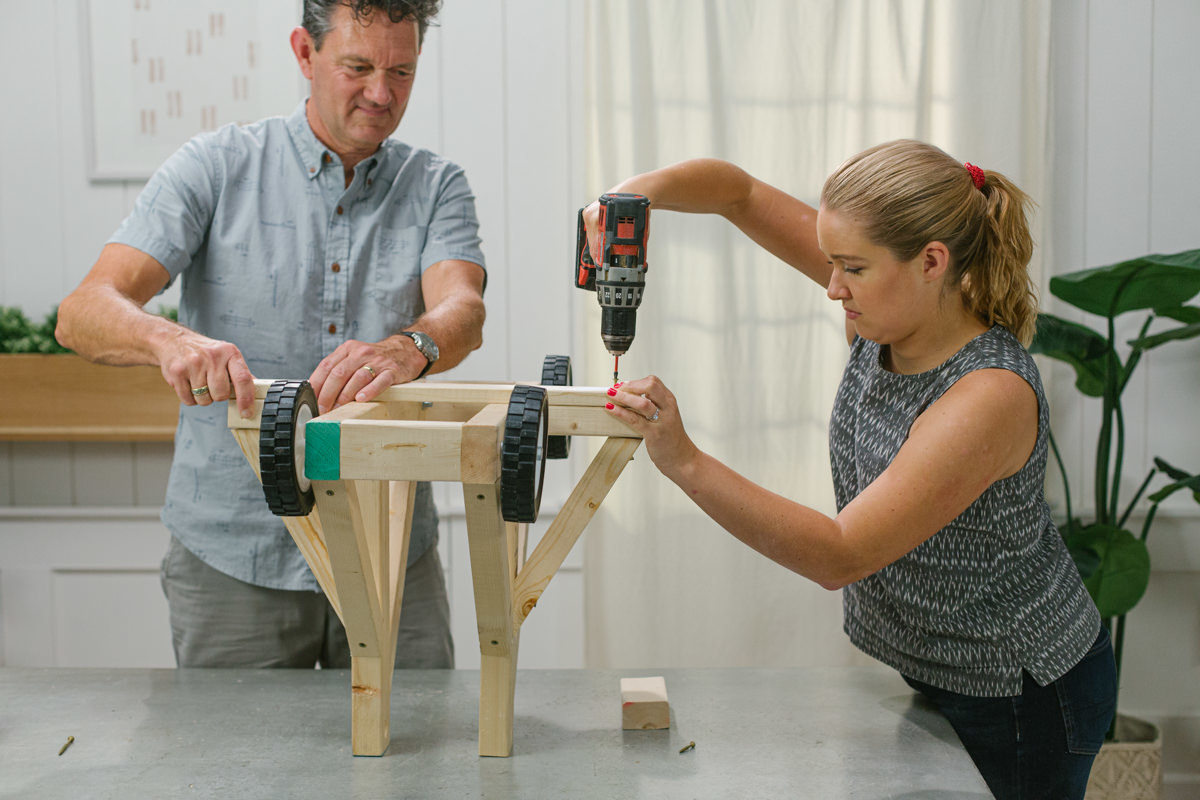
425 344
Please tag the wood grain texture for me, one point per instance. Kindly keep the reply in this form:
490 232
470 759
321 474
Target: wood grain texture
62 397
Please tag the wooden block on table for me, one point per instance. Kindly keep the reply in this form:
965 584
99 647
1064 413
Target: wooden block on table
644 705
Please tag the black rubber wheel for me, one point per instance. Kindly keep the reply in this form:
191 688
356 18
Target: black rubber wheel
556 371
286 409
523 454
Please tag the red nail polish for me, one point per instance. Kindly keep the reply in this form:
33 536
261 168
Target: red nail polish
609 406
612 392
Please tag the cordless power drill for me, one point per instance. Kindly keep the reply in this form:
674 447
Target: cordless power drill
620 277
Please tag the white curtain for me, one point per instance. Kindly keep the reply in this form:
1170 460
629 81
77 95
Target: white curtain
787 89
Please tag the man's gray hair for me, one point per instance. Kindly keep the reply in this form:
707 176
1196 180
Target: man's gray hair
318 14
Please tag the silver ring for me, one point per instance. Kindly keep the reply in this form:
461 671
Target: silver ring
203 390
367 367
655 417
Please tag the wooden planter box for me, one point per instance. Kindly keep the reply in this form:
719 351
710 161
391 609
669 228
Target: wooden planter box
64 398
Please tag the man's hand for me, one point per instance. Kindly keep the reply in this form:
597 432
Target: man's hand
359 371
203 371
453 294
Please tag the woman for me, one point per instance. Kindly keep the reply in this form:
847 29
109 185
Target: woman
952 571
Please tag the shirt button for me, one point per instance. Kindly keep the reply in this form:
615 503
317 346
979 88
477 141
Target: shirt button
370 181
339 210
333 328
336 267
327 158
312 169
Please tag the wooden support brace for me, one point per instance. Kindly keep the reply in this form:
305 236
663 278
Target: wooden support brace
574 516
306 531
402 495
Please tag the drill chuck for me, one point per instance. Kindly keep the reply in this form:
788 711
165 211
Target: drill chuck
617 327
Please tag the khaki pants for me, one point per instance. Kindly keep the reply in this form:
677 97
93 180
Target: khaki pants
219 621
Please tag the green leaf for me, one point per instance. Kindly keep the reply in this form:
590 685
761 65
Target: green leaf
1174 473
1185 314
1087 561
1124 571
1182 480
1078 345
1153 281
1175 334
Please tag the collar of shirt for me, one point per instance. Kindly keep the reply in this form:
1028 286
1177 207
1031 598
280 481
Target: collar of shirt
313 152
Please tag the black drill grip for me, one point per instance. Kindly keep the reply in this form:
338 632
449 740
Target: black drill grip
585 268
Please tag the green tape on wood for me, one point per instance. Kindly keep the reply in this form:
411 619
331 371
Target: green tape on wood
323 451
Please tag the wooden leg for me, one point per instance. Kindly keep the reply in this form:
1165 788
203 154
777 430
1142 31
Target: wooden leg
356 534
370 704
491 574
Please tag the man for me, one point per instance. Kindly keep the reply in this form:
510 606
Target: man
309 245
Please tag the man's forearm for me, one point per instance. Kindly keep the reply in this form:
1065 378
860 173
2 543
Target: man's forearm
456 325
103 325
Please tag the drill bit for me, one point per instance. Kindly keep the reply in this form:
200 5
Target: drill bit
616 366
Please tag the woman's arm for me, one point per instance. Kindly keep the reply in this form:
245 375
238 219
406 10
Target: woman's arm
980 431
776 221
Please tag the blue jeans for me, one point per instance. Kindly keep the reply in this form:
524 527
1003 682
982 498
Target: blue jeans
1041 743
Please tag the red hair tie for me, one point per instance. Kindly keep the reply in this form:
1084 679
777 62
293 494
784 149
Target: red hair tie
977 175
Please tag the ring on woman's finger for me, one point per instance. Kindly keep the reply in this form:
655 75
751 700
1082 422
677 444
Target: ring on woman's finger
203 390
367 367
655 417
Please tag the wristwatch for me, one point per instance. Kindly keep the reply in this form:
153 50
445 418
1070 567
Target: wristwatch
425 346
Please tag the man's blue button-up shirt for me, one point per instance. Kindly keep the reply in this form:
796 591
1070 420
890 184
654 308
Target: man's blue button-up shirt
278 256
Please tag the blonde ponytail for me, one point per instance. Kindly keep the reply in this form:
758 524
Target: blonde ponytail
907 193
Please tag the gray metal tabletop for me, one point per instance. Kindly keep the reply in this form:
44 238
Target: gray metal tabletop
836 732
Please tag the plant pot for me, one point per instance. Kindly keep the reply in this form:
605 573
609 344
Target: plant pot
1130 766
61 397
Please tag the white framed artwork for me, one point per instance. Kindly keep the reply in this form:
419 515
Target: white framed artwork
157 72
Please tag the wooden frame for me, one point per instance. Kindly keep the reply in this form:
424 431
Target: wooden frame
363 459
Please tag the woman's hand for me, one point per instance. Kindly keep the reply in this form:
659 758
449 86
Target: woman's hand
591 224
647 406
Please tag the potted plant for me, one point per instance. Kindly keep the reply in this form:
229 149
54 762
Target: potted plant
1114 561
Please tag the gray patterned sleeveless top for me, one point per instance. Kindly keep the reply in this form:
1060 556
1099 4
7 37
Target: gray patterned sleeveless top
994 592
